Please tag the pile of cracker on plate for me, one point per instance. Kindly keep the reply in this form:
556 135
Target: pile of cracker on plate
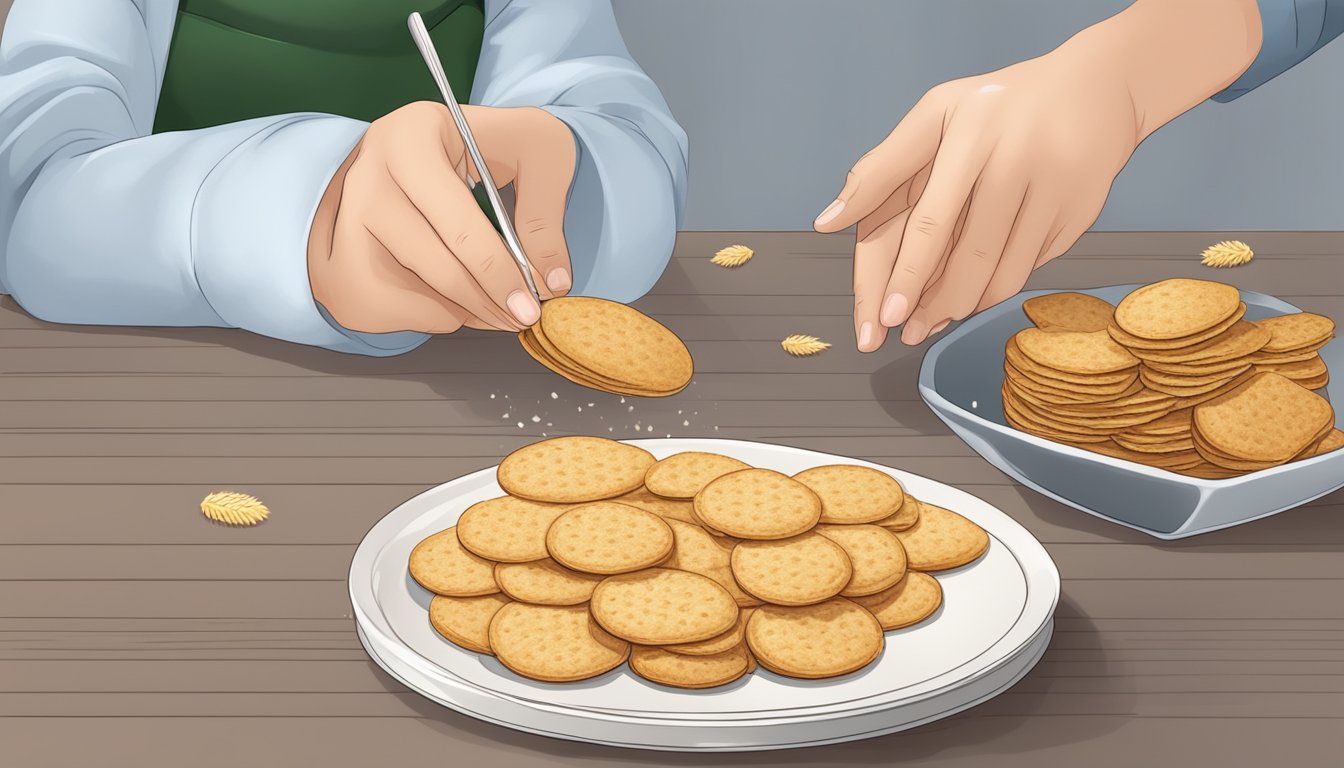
1172 377
692 569
608 346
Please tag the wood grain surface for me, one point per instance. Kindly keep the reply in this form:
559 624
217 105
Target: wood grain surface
133 632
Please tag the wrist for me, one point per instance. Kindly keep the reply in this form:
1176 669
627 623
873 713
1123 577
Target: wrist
1171 55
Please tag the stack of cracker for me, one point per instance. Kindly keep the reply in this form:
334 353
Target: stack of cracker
608 346
692 569
1131 381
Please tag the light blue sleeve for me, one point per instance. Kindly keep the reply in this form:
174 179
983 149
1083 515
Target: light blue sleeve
568 57
103 223
1293 30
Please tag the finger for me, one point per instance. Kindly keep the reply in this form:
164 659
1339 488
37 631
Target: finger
542 186
931 226
995 205
1025 244
387 297
410 239
874 256
909 147
432 188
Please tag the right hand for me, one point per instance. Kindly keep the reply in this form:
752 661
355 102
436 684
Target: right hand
400 244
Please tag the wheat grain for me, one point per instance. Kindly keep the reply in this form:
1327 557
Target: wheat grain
1229 253
803 346
733 256
233 508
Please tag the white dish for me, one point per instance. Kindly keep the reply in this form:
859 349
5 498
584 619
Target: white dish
994 624
960 379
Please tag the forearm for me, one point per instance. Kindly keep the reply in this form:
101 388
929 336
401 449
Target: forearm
1170 55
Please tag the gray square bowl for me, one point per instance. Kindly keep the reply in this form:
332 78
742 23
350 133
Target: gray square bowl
960 380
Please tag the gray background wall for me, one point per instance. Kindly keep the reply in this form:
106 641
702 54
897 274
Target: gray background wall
780 96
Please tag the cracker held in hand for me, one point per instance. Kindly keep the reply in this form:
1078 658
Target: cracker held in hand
608 346
574 469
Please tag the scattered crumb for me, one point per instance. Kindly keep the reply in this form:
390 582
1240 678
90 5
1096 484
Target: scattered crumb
536 419
686 422
520 425
554 396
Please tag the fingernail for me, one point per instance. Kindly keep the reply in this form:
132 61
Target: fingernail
939 327
558 279
524 307
830 213
915 332
894 310
865 336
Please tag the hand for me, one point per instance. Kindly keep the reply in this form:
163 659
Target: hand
399 242
989 177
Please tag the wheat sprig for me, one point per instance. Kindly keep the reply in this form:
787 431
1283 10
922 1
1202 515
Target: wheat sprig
233 508
1229 253
733 256
803 346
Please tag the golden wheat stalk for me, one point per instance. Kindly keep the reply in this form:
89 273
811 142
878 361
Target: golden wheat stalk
733 256
233 508
1229 253
803 346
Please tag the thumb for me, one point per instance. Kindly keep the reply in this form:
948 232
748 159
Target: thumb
909 148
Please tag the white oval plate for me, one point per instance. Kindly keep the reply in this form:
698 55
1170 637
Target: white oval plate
994 624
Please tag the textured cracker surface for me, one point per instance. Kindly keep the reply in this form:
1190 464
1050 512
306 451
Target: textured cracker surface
758 504
942 539
853 494
606 537
823 640
875 555
682 475
545 582
1242 339
801 570
1069 312
1174 308
904 517
671 509
553 643
912 600
442 565
698 551
1302 329
508 529
465 621
719 643
1133 342
1093 384
1269 418
682 671
1073 352
618 342
574 469
661 606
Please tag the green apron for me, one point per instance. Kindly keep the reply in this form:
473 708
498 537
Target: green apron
232 60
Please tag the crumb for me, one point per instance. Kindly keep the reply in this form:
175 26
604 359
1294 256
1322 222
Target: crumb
536 419
554 396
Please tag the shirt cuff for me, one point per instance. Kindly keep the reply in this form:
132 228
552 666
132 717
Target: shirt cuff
1292 31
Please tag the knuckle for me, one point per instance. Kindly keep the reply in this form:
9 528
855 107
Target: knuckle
927 225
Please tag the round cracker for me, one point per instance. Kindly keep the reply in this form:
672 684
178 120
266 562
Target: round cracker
814 641
555 644
576 469
606 537
1333 441
698 551
442 565
1016 419
682 671
1075 353
912 600
1069 311
1185 380
853 494
661 606
875 554
508 529
545 582
1298 371
533 343
1295 331
758 504
942 539
465 621
1135 343
1237 342
668 509
682 475
1266 419
1171 309
802 570
1066 392
719 643
904 517
618 342
1174 423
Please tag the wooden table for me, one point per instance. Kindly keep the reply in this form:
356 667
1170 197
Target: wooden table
134 632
